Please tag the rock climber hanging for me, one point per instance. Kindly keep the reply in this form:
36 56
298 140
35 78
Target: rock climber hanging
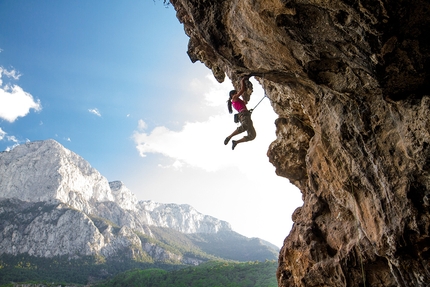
244 115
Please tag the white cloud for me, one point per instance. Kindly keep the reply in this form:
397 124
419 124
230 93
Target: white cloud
14 74
95 111
209 174
14 101
217 95
200 144
196 144
9 148
141 125
177 165
13 139
2 134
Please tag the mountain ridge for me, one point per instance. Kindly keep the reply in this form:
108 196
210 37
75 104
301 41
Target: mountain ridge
46 171
82 214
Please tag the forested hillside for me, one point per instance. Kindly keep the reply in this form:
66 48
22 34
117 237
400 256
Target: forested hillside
211 274
60 269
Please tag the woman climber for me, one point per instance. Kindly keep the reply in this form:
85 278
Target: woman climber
244 115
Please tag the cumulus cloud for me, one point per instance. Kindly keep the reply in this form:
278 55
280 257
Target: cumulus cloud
197 144
10 139
15 142
2 134
14 101
13 139
95 111
200 144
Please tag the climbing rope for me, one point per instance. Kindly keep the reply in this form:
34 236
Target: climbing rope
251 110
265 96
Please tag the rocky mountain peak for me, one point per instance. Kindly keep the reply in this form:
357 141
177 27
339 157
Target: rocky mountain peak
45 170
53 203
184 217
123 196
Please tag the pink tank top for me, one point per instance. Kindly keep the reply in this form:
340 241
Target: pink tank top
239 105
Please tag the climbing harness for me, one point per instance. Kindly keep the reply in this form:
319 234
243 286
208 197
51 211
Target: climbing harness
236 116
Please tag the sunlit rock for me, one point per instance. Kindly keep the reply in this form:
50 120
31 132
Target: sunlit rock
53 203
350 82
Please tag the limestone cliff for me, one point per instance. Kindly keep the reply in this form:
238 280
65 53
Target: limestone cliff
53 203
350 82
45 171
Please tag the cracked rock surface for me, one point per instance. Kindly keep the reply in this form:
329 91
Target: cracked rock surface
350 83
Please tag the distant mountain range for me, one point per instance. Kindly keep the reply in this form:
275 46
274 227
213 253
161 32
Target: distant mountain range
53 204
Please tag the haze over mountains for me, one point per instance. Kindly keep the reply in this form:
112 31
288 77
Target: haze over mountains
53 203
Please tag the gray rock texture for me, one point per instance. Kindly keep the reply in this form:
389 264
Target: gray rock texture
53 203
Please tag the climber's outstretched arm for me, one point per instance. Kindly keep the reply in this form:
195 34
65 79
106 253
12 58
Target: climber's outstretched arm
241 91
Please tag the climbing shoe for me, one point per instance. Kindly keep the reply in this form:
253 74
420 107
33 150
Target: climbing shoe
234 143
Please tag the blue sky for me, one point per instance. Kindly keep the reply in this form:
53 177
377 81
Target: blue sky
111 81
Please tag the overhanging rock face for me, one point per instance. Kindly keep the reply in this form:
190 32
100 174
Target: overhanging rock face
350 82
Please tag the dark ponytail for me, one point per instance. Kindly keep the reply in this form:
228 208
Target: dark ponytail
230 109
